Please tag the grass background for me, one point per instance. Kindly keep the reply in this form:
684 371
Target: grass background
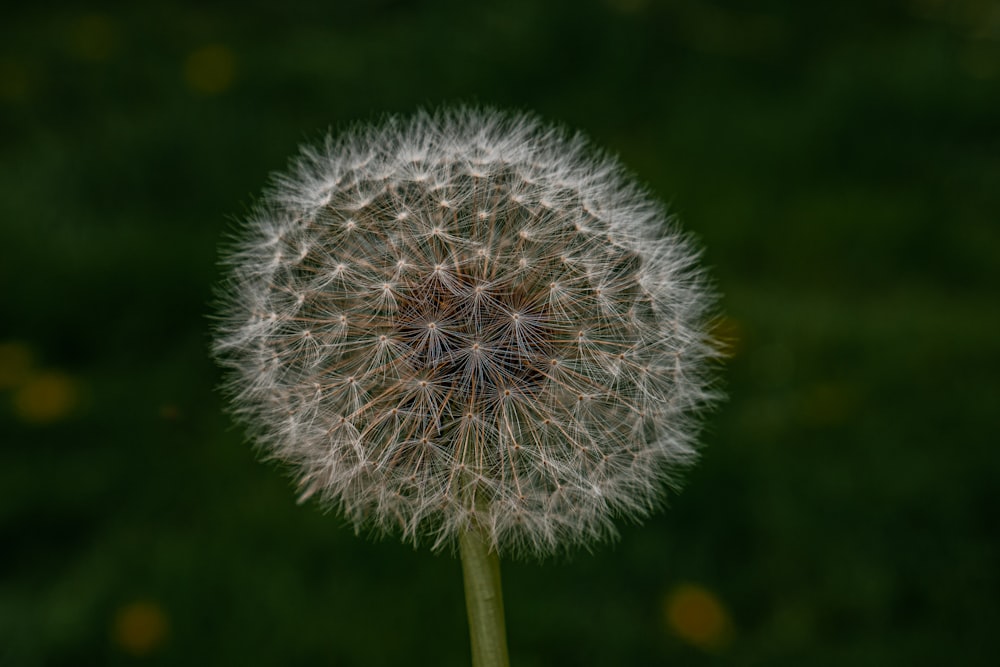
839 161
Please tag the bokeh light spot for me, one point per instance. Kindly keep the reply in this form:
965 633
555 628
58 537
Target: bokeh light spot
15 364
93 38
169 412
14 81
140 628
46 397
698 617
828 404
210 69
980 59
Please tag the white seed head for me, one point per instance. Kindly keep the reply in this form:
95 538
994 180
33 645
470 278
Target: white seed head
463 319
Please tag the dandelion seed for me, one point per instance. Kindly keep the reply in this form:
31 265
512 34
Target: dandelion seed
469 319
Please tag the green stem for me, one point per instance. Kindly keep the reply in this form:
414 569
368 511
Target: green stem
484 601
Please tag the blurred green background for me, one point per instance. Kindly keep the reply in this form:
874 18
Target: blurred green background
839 161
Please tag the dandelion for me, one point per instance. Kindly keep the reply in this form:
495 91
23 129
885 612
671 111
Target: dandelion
468 327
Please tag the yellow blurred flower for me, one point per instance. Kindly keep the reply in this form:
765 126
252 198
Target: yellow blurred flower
140 628
698 617
46 397
93 37
210 69
15 82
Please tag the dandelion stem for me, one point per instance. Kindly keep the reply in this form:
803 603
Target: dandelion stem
484 601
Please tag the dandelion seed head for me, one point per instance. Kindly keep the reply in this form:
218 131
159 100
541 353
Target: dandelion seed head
468 318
